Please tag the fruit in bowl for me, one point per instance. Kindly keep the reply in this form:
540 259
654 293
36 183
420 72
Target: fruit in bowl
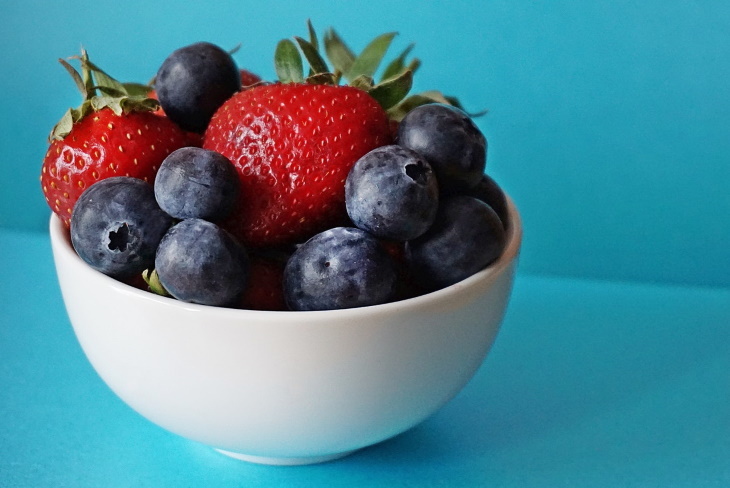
285 387
329 266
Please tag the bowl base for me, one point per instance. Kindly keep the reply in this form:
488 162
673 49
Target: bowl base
285 461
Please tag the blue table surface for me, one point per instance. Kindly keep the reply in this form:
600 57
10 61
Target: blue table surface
588 384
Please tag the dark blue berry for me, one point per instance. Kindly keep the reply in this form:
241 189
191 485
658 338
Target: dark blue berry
116 226
196 183
466 236
392 193
450 141
194 81
199 262
339 268
489 191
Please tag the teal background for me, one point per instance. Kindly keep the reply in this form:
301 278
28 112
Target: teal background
608 124
609 121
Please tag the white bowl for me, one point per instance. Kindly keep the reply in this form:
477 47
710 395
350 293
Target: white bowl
285 387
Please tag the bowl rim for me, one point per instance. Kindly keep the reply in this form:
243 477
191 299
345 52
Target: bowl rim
62 247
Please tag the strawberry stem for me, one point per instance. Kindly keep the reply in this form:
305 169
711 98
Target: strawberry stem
359 70
99 91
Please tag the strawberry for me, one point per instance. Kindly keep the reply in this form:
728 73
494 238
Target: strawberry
249 79
114 133
294 142
265 290
293 145
194 139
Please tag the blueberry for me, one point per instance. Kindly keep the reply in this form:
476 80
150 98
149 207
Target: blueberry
339 268
489 191
196 183
466 236
450 141
116 226
392 193
194 81
199 262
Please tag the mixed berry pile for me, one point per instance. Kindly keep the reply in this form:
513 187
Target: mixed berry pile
322 190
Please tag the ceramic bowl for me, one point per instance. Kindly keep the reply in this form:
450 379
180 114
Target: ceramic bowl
285 387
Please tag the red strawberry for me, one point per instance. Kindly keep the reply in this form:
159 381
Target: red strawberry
293 146
112 134
248 79
394 128
406 285
293 143
265 290
194 139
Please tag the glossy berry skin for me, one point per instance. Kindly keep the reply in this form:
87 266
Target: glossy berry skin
339 268
293 146
466 236
392 193
196 183
489 191
117 225
198 262
194 81
102 145
450 142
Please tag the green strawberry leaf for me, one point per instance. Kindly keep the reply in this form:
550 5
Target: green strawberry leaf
106 101
389 92
414 65
153 282
136 89
141 104
99 90
396 79
313 36
104 82
72 115
86 74
288 62
316 62
339 55
435 96
124 104
398 65
82 87
111 91
368 61
63 127
438 97
363 82
399 111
